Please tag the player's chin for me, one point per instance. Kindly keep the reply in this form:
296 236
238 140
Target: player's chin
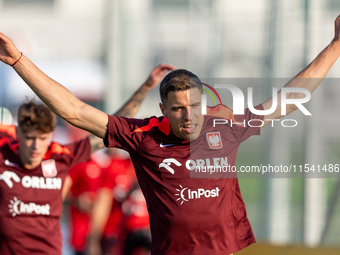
36 159
191 136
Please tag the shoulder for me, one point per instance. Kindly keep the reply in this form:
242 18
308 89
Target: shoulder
154 123
8 136
57 149
8 130
221 111
142 125
224 112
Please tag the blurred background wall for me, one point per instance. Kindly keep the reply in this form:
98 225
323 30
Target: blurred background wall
103 50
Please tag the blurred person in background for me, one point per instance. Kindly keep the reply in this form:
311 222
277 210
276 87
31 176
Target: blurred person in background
86 180
121 209
120 221
215 222
33 171
137 240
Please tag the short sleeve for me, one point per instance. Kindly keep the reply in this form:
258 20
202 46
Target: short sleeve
8 131
124 133
248 124
80 151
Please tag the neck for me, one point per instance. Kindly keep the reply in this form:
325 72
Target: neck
30 166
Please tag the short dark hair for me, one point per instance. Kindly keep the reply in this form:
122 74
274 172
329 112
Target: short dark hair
179 79
37 116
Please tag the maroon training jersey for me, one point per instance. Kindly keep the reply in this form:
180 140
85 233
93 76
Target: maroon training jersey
30 200
188 215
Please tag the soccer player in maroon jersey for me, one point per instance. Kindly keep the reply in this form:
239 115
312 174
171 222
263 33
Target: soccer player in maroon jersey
33 171
187 216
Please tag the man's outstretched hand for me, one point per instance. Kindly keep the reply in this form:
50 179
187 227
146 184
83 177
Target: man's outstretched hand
8 52
157 74
337 30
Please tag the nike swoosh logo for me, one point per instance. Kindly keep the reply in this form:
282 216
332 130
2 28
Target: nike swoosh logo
166 145
8 163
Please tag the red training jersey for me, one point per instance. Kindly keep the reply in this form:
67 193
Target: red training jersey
128 211
86 178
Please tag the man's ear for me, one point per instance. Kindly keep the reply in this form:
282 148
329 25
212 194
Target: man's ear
161 106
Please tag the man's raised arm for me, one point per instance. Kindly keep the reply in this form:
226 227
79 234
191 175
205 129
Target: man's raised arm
310 77
130 108
61 101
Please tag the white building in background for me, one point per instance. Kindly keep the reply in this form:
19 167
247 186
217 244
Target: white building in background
64 38
119 42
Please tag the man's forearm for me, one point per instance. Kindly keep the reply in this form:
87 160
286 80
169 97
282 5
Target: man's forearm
319 67
60 100
45 88
310 77
130 108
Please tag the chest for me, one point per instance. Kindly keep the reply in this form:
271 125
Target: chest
37 185
170 160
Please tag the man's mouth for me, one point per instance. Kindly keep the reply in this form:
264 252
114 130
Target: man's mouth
35 154
190 128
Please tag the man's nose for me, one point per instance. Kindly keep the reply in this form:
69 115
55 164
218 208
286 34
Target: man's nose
35 144
187 113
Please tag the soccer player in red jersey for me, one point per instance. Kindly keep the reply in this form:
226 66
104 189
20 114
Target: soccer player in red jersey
187 216
86 179
123 214
119 221
33 171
